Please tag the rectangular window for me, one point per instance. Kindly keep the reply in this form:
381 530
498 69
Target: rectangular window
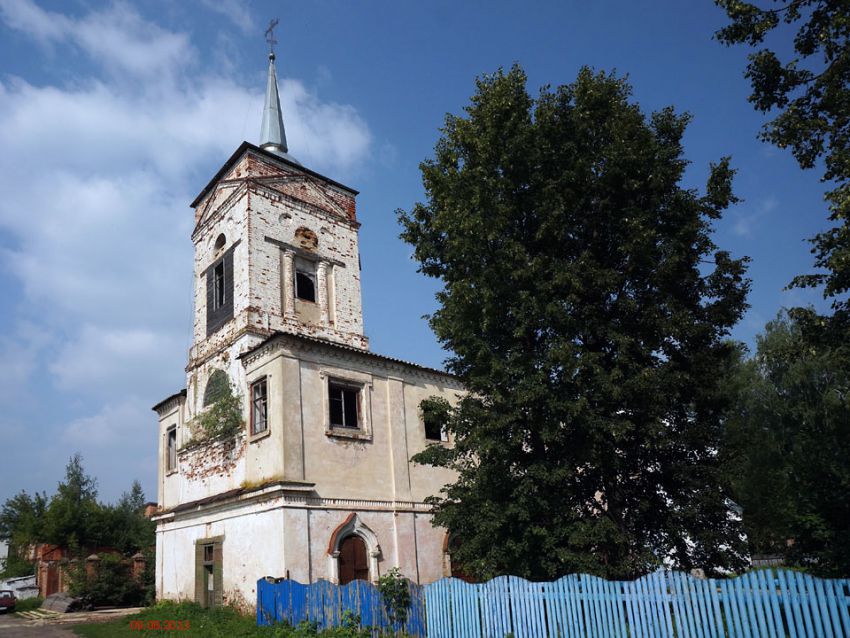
218 285
259 406
220 292
305 280
171 449
344 405
433 428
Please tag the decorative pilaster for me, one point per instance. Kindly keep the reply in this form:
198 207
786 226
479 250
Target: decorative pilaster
288 287
322 277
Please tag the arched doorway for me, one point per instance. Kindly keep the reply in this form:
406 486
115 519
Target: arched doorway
353 561
456 568
353 552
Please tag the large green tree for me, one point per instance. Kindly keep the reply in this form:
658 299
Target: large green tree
809 92
586 309
73 517
788 448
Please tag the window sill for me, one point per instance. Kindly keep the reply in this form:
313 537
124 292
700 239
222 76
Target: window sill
170 472
348 433
259 436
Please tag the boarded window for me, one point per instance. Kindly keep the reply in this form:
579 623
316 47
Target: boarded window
220 292
305 280
218 387
353 563
171 449
344 405
259 406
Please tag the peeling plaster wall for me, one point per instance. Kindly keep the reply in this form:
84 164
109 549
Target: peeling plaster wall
270 214
279 538
246 556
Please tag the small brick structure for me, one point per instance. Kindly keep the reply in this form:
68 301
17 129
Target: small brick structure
54 567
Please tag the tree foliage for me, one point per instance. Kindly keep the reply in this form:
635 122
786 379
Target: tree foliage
810 92
586 308
75 519
72 517
21 523
788 448
223 418
111 583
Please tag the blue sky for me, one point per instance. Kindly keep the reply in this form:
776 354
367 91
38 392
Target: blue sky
113 116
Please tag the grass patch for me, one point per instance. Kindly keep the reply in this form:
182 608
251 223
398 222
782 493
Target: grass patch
189 620
28 604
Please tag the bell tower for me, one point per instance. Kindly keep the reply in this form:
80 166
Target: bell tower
276 250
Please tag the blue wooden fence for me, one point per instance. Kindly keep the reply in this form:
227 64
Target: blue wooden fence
760 604
324 603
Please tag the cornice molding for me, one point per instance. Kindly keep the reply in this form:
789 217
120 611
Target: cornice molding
170 403
296 344
223 208
304 254
290 496
279 196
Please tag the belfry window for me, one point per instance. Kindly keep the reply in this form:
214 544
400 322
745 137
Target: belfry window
220 292
305 280
218 284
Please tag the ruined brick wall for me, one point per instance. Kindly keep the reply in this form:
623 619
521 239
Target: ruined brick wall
277 214
257 201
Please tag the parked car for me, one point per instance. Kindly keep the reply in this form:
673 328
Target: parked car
7 600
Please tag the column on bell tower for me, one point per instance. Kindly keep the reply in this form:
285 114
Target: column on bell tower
287 258
322 280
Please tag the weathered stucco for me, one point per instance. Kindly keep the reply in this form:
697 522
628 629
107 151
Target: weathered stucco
276 498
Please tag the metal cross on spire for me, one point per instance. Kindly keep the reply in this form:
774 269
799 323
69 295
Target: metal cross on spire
270 35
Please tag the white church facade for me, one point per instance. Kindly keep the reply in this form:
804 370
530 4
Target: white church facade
317 483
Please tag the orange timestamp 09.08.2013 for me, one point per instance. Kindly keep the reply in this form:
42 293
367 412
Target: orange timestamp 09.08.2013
159 625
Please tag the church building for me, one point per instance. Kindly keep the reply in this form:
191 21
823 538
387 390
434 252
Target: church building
315 481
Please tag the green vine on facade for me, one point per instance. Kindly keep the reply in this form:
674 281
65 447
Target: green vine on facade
223 419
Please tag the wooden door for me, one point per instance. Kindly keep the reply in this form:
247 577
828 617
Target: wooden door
353 563
52 579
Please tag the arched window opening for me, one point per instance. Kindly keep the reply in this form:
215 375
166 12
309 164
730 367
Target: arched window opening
217 387
456 567
353 560
220 241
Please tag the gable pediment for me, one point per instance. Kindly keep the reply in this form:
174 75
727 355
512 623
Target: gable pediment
304 189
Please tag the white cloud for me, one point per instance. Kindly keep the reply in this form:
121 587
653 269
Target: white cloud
118 37
97 180
745 223
237 11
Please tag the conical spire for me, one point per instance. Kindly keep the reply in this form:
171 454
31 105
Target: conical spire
273 135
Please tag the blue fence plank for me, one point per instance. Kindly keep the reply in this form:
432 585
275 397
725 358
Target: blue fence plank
659 605
842 586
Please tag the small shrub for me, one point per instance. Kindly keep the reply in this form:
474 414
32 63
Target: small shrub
111 584
223 419
395 592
